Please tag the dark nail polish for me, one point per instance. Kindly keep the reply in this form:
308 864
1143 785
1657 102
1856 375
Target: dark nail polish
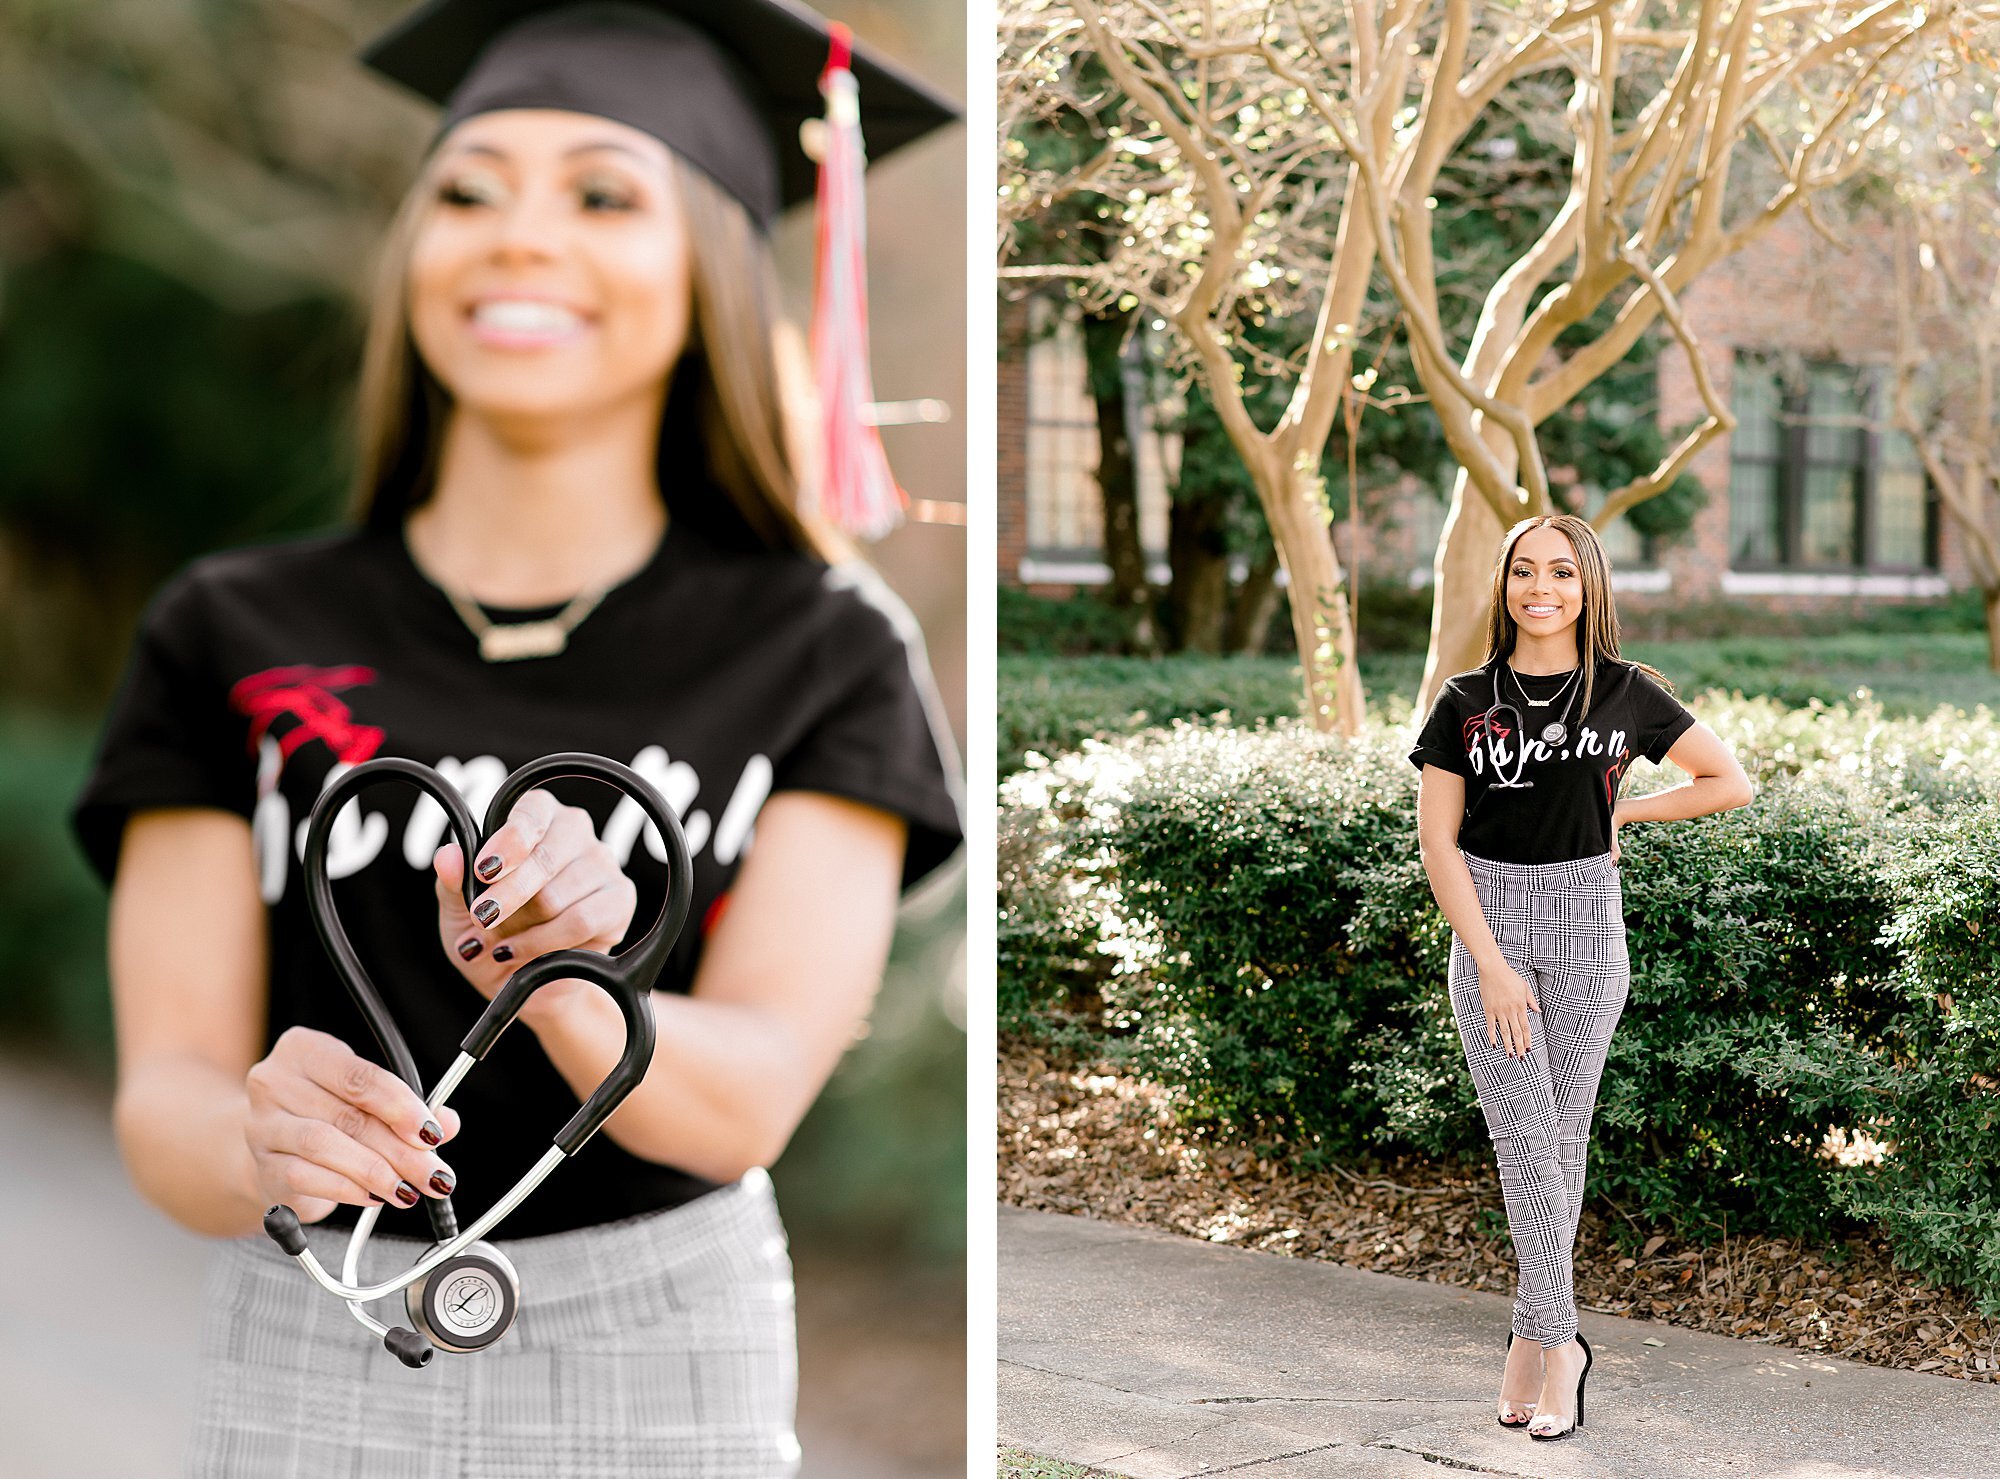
486 911
430 1134
503 953
374 1200
442 1182
469 949
487 867
407 1194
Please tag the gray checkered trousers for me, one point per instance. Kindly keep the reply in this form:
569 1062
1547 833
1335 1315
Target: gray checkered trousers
1562 927
660 1345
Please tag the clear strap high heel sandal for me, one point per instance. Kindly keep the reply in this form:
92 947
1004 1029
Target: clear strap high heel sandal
1514 1414
1575 1422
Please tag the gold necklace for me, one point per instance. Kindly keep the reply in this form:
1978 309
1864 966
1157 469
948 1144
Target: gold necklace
519 639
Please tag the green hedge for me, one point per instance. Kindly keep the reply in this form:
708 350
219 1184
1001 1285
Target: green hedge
58 993
1050 704
1244 915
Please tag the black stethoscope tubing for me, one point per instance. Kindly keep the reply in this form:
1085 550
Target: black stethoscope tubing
627 978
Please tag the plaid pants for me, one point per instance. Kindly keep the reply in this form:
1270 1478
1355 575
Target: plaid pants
660 1345
1562 927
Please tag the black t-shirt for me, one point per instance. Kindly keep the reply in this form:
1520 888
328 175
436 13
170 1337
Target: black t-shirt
1542 802
720 677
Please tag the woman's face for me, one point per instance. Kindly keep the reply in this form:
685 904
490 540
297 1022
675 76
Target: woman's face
1544 590
550 276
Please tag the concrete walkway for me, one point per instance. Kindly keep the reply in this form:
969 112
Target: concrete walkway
1152 1355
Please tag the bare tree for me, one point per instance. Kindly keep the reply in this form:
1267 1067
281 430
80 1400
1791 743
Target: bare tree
1948 316
235 149
1218 197
1665 96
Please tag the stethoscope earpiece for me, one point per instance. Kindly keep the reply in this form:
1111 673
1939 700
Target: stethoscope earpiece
462 1295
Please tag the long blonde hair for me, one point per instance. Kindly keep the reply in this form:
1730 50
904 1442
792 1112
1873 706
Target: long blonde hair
1596 626
736 405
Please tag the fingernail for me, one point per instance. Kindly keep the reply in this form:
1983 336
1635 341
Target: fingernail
503 953
487 867
442 1182
485 911
467 949
374 1199
406 1194
430 1134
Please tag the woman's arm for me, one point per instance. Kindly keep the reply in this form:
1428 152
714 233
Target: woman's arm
211 1135
187 992
1506 997
785 982
1718 783
1440 808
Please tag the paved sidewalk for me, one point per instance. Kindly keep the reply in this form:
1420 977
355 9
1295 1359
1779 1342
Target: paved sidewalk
1158 1356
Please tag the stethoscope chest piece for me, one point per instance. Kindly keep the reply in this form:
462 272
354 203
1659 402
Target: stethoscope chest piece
467 1302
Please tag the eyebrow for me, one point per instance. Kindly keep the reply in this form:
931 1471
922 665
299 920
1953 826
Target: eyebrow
574 149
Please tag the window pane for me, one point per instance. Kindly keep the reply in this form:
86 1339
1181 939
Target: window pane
1899 516
1753 513
1827 535
1833 393
1623 545
1754 399
1064 511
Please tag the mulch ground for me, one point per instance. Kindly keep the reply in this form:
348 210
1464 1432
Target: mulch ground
1082 1137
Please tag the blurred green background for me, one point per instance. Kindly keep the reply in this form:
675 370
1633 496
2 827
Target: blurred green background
191 195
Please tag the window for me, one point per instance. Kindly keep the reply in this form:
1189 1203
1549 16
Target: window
1065 513
1816 482
1624 546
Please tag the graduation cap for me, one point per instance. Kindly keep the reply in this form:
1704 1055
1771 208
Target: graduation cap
727 85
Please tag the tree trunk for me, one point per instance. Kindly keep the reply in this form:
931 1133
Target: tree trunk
1198 596
1295 504
1991 595
1463 576
1105 339
1256 603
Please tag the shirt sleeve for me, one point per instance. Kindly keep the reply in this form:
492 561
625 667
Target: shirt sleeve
1441 741
169 739
883 738
1658 718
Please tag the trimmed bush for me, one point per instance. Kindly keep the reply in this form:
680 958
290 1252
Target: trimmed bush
1937 1195
1244 912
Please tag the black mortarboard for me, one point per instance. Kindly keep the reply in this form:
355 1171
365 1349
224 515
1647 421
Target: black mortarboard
725 84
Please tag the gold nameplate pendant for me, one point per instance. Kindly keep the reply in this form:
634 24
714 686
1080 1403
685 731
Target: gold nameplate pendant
523 639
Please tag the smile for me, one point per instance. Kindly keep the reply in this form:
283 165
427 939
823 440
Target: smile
524 321
1541 610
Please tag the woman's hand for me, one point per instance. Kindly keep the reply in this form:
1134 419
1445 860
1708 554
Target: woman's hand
551 884
326 1126
1617 821
1507 999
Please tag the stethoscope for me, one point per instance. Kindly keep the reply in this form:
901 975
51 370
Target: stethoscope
463 1294
1553 733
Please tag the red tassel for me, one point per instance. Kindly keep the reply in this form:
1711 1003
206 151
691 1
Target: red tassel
859 493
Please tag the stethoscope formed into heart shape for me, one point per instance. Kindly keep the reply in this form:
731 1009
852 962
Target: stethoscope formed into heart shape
463 1294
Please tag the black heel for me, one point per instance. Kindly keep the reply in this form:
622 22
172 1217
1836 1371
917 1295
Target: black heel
1581 1377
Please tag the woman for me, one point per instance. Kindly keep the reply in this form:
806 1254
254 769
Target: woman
1518 817
580 532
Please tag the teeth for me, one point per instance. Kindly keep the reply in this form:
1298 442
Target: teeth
1543 610
526 316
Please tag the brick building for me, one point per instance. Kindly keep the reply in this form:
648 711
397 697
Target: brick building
1808 508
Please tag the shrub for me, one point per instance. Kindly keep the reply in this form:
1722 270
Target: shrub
1244 911
1937 1194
